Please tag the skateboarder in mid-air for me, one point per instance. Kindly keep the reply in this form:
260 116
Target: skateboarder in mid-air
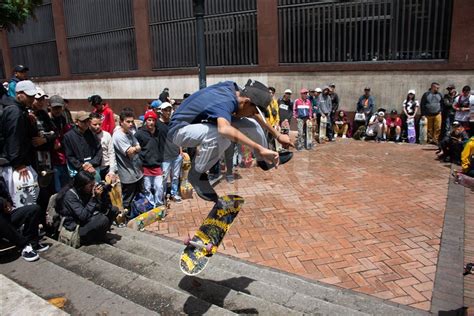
214 117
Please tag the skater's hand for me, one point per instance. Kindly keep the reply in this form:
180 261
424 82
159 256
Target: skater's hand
38 141
269 156
23 171
285 141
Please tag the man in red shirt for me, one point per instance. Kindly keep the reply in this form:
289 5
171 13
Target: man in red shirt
394 126
108 120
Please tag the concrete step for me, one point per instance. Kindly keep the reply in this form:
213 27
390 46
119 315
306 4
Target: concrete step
166 272
151 294
18 300
83 297
272 285
232 281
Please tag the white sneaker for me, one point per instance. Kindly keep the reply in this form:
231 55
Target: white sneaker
344 136
335 136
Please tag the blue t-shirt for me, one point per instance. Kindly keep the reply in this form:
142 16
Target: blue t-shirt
206 105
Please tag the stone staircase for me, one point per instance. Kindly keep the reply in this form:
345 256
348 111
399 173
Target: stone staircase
138 273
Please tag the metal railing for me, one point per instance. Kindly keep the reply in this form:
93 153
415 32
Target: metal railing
363 30
230 33
34 44
100 35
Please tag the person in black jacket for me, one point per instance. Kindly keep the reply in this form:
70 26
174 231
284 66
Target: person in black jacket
82 148
86 204
43 143
11 219
151 155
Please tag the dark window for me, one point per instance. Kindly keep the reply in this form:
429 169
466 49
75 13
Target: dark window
100 35
230 33
363 30
34 45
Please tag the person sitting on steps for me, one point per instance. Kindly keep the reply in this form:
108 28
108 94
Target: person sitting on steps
218 115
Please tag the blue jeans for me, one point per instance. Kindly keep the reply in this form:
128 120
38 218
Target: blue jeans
154 183
61 177
173 167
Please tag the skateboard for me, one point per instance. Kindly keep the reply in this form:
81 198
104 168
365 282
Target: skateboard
186 189
322 129
115 195
423 130
247 159
464 180
145 219
26 191
411 131
209 236
309 134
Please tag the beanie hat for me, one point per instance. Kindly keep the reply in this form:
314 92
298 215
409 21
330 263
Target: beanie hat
152 114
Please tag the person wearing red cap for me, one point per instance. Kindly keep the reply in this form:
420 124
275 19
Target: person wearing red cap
302 111
151 156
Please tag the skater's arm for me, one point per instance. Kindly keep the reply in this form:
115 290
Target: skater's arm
227 130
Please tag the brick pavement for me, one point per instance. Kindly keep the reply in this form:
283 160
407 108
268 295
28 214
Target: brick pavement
358 215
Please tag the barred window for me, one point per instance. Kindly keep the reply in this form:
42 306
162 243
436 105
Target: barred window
230 33
34 44
363 30
100 35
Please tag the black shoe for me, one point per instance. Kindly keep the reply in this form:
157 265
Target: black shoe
201 185
285 156
39 247
29 254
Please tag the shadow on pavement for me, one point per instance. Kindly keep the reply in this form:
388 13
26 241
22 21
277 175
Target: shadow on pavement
213 292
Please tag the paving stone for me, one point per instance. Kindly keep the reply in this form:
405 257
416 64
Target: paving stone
374 207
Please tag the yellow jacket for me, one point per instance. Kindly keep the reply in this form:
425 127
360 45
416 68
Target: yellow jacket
466 155
273 107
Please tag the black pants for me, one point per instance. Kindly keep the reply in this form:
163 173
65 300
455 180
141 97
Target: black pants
95 229
229 162
129 191
29 216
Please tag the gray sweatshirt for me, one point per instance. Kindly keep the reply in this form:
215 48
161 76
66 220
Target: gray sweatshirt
431 103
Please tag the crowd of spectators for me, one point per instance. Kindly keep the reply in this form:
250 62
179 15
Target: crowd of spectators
72 155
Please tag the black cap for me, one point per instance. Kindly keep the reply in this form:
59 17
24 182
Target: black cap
393 112
258 94
20 68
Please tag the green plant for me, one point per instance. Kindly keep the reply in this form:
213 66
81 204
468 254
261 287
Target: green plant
14 13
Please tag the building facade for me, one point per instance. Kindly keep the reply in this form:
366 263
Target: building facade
129 50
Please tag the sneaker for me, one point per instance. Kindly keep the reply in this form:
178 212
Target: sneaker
230 178
284 158
201 185
39 247
177 199
344 136
29 254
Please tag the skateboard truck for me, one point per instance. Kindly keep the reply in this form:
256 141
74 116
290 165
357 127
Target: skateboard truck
208 247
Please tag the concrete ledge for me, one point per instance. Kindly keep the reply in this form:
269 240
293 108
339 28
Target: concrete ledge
16 300
448 288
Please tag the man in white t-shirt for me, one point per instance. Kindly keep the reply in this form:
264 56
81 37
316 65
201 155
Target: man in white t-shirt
108 165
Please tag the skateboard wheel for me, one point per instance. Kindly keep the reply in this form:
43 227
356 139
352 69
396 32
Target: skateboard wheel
187 240
209 247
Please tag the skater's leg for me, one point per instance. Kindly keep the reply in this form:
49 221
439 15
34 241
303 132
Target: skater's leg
175 171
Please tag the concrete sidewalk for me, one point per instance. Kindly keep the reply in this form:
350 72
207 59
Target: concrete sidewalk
17 300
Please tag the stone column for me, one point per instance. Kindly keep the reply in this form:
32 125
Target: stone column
61 41
267 29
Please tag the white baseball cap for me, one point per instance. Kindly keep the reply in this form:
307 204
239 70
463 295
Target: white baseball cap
288 91
26 86
40 93
411 92
165 105
318 90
